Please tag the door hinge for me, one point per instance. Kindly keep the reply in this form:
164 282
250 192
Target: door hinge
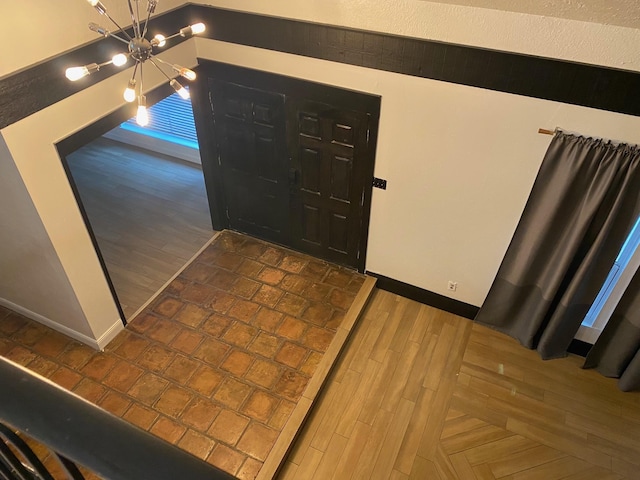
362 199
227 212
211 101
358 255
368 132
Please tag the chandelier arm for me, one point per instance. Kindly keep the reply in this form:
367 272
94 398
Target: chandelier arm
140 87
162 61
134 22
120 29
159 69
135 70
146 22
138 18
126 42
104 64
172 36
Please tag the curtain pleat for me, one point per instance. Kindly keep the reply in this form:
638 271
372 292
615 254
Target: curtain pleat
616 353
582 206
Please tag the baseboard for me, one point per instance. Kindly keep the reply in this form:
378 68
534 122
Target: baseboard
153 144
432 299
98 344
110 334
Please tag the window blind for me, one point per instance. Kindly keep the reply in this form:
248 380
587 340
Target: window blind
171 119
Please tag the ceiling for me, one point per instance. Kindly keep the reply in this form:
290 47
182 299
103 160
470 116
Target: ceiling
623 13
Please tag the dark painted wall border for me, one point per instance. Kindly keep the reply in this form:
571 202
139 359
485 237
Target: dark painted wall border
432 299
545 78
569 82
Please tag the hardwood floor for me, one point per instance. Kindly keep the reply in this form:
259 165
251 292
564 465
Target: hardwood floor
423 394
149 214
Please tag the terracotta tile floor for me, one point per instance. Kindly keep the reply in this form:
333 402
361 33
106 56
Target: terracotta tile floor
216 363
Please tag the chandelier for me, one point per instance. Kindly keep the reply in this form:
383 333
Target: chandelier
140 50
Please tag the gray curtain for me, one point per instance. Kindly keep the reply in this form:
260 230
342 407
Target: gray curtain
617 351
583 205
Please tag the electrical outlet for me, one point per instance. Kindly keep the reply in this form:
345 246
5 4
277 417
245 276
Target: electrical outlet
452 285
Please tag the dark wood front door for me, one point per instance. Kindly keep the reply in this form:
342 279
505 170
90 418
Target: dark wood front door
289 161
252 154
329 191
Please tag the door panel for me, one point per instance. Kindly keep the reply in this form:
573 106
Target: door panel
289 161
327 204
250 128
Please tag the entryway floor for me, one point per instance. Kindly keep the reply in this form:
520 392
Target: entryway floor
225 363
148 212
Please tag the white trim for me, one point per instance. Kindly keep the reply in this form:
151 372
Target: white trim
155 145
588 334
82 338
110 334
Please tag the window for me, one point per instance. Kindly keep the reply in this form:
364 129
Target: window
171 120
623 268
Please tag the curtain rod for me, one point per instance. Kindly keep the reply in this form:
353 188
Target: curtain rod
547 132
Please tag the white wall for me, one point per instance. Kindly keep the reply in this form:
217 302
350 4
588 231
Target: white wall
610 12
31 142
460 163
30 271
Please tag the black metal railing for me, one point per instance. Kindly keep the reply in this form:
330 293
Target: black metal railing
79 433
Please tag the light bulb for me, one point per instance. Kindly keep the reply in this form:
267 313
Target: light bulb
76 73
119 59
159 40
97 4
142 117
180 90
197 28
192 29
186 73
99 29
130 91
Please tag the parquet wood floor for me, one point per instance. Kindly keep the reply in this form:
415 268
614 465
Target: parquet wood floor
423 394
148 212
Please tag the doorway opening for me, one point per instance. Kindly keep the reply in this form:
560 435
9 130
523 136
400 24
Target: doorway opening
144 201
291 161
624 267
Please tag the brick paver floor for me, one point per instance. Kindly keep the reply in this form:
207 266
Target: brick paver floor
216 364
